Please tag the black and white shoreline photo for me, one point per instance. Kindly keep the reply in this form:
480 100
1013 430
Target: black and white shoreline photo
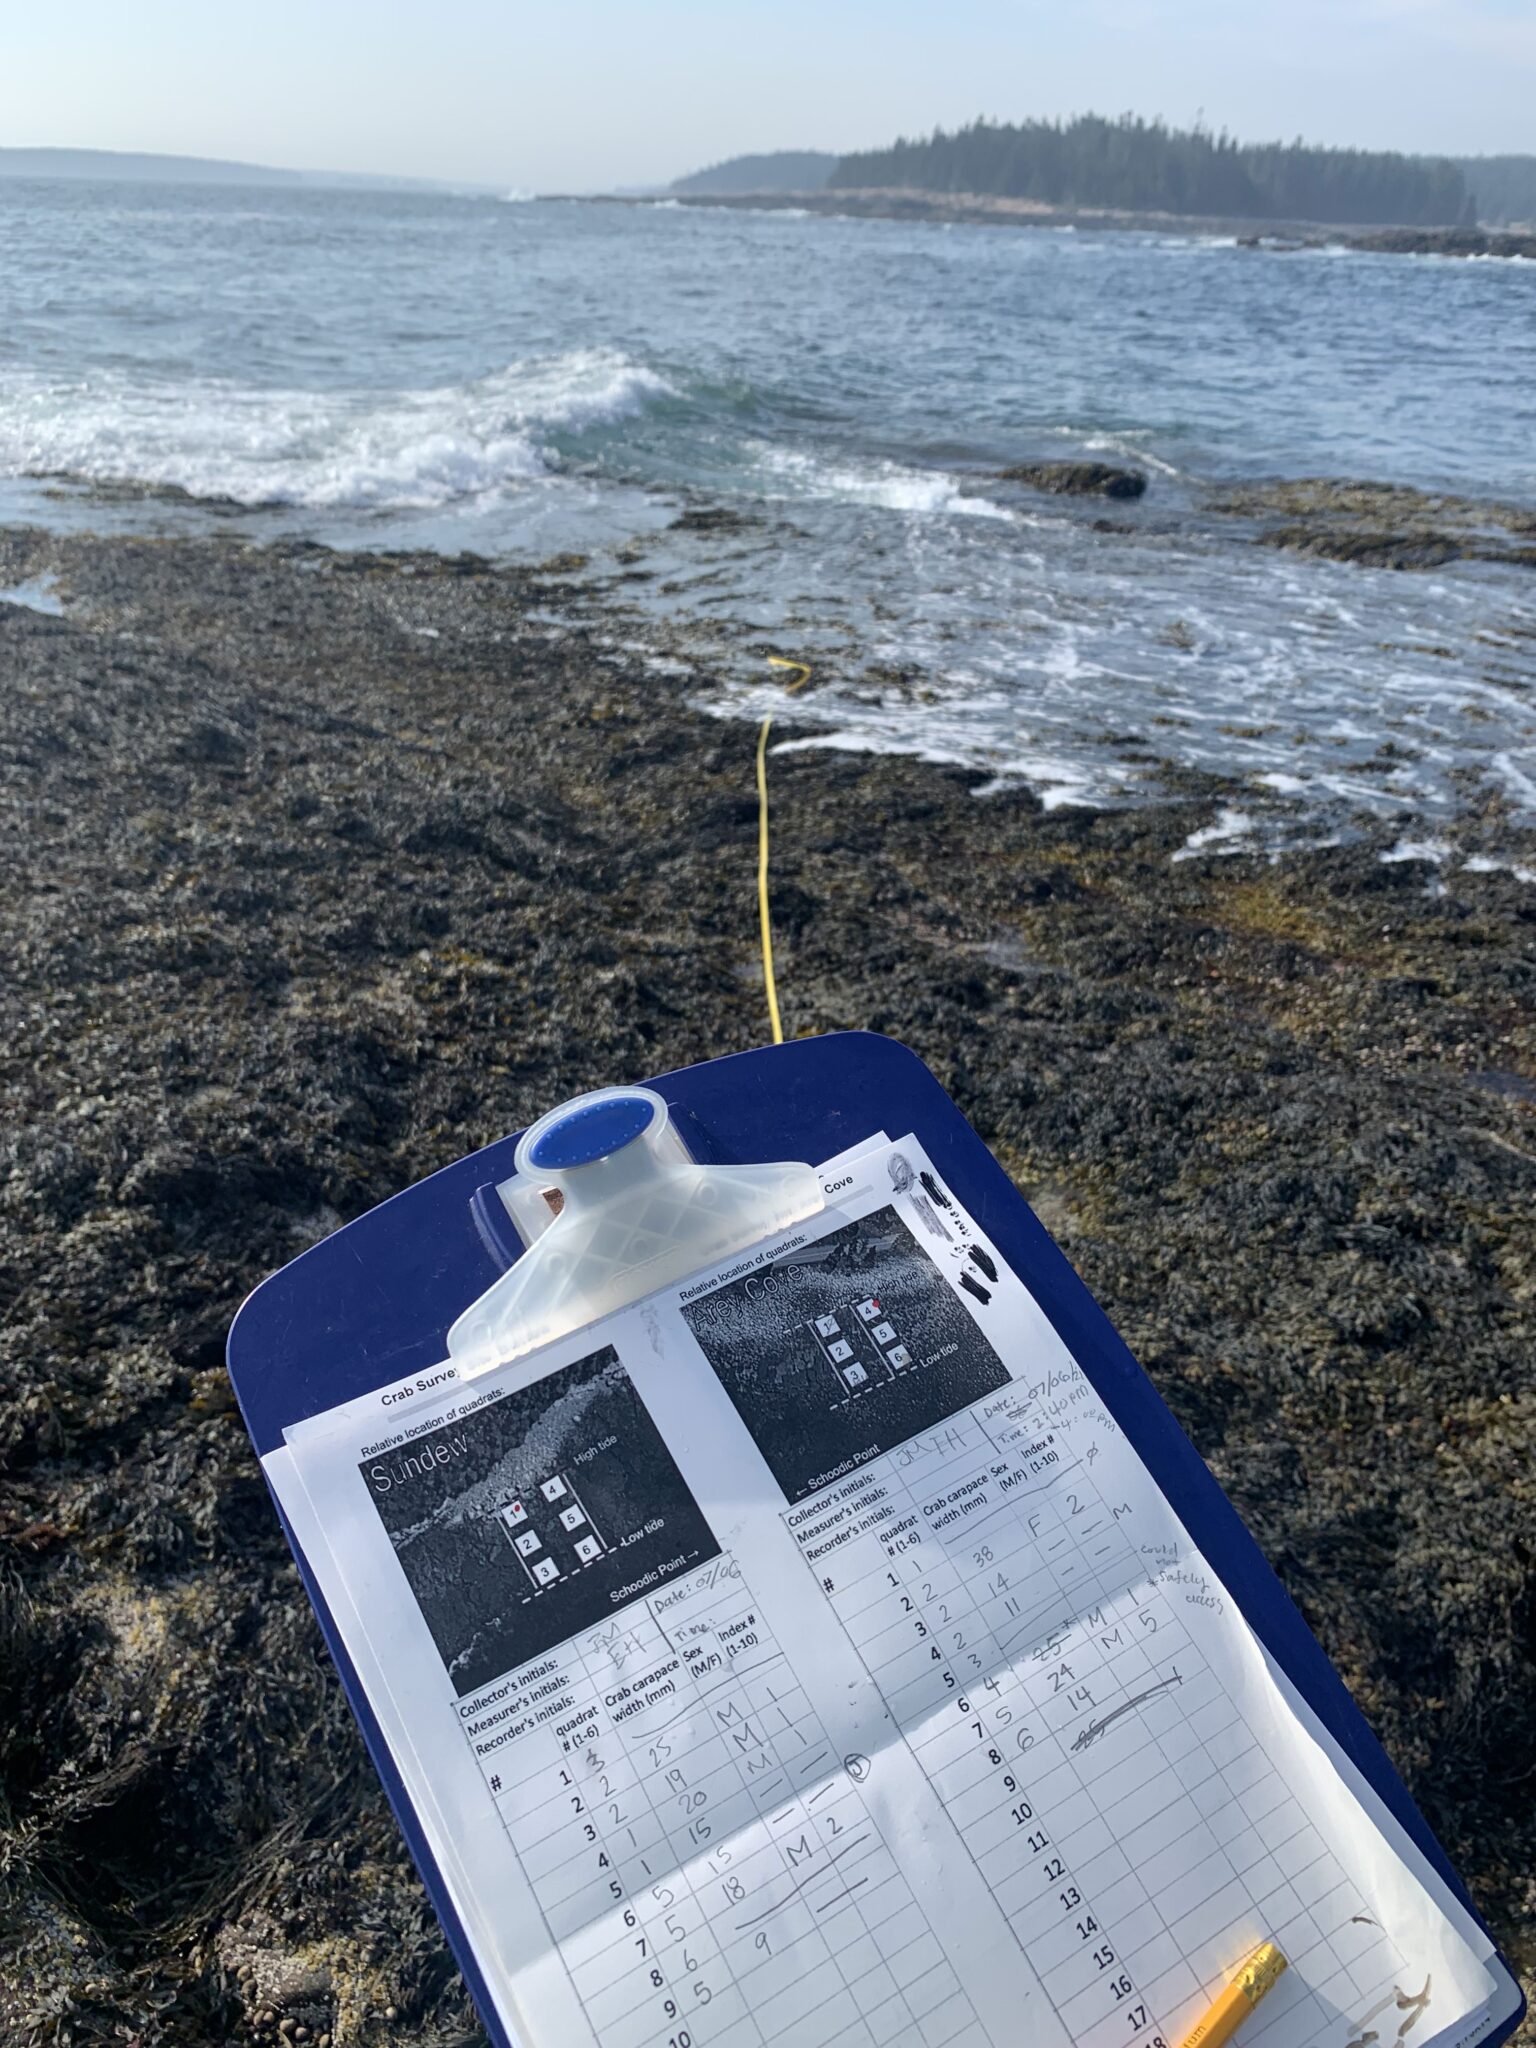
843 1351
523 1523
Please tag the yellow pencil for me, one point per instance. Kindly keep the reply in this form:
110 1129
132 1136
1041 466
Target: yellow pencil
1256 1977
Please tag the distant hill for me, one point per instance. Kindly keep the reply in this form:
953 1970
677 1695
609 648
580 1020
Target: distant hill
782 170
159 170
139 168
1503 188
1148 167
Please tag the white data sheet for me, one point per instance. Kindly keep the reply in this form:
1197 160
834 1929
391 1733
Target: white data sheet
804 1657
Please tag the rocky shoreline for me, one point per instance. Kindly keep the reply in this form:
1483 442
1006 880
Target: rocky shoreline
1380 526
986 210
326 868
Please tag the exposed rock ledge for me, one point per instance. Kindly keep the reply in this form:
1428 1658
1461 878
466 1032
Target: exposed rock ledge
1077 479
1382 526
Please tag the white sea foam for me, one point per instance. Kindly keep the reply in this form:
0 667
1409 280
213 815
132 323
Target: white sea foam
1195 241
328 450
39 594
1127 445
1485 864
1520 782
1228 834
863 743
1284 785
1436 851
1125 441
886 484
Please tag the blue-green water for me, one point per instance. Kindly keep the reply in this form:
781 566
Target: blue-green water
392 370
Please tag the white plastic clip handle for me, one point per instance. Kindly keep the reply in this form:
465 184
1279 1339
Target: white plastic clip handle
637 1213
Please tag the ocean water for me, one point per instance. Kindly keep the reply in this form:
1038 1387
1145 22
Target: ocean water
542 377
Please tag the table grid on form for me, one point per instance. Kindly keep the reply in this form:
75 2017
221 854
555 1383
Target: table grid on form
704 1861
1104 1783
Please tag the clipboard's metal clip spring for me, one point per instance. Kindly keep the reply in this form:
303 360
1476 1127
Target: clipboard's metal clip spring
637 1213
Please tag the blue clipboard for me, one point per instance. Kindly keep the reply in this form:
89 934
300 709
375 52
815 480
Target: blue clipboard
373 1302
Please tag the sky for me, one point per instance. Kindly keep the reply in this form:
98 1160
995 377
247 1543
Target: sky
591 94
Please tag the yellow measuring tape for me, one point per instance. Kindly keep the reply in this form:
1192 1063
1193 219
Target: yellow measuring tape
765 922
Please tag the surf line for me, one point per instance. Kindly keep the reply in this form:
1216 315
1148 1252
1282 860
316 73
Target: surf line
765 921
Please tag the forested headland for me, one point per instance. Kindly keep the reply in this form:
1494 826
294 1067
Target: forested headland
1150 167
1503 187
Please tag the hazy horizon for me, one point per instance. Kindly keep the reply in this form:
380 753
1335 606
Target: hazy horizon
604 96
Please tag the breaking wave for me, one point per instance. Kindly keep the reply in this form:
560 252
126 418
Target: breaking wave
889 485
328 450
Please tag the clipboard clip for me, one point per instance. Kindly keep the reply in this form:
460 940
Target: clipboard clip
636 1212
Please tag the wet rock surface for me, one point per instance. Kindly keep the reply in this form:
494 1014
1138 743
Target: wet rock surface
1501 242
1078 479
323 869
1381 526
992 210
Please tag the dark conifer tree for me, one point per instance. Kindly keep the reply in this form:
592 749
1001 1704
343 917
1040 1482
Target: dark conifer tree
1145 166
